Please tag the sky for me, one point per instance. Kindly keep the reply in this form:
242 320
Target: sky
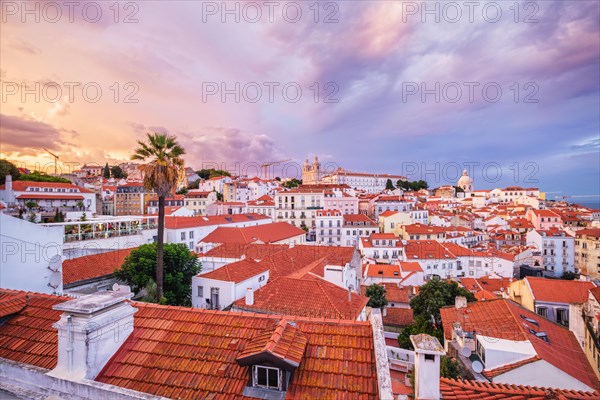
508 90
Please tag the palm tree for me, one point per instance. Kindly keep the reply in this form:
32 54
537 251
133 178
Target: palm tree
163 171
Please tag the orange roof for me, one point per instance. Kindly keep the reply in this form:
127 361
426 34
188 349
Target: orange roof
307 296
266 233
198 221
595 232
285 343
420 229
382 271
350 218
504 319
388 213
249 250
50 196
452 389
12 302
93 266
237 271
426 249
187 353
21 186
545 213
398 316
410 266
30 338
559 290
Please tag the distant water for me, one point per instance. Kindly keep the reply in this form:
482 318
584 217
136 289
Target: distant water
595 204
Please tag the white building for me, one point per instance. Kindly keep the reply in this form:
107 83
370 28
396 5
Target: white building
383 248
197 200
371 183
31 256
329 227
214 184
356 226
220 288
557 249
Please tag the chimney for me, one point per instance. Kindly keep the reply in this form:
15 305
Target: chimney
249 297
349 295
428 352
460 302
91 330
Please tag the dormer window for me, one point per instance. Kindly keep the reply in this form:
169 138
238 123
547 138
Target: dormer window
266 377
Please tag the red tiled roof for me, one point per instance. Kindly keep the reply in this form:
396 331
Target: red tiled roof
249 250
398 316
12 302
350 218
388 213
51 196
286 343
93 266
410 266
596 293
503 319
595 232
420 229
307 296
266 233
559 290
197 221
492 373
237 272
452 389
190 354
426 249
28 337
21 186
382 271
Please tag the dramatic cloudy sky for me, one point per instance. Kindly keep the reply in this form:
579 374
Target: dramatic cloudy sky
387 76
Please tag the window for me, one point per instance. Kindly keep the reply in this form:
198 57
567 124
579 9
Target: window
191 235
261 278
542 311
429 357
200 291
267 377
480 350
562 317
182 235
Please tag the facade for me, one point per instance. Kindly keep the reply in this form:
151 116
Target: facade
544 219
173 201
132 198
370 183
557 250
465 183
298 206
381 248
263 205
218 289
49 196
197 200
329 227
337 200
391 203
550 298
587 252
355 227
311 173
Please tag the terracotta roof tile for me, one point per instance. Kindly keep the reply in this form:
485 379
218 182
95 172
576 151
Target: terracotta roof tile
307 296
398 316
559 290
237 272
265 233
198 221
93 266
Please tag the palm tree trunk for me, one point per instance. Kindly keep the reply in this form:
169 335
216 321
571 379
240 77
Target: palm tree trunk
159 246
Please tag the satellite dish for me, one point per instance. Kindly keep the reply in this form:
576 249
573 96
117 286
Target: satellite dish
115 287
477 367
55 263
465 352
55 280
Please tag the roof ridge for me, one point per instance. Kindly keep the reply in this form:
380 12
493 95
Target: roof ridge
329 300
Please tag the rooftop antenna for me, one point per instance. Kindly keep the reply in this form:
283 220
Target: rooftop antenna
55 159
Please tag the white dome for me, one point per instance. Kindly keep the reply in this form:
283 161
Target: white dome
465 182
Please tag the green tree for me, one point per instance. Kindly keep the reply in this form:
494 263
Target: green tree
8 168
376 294
80 205
106 171
451 368
163 171
117 172
31 205
569 276
83 217
435 294
37 176
31 217
219 195
180 265
389 185
292 183
59 216
182 191
421 325
211 173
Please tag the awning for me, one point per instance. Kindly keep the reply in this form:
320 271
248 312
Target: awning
49 197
